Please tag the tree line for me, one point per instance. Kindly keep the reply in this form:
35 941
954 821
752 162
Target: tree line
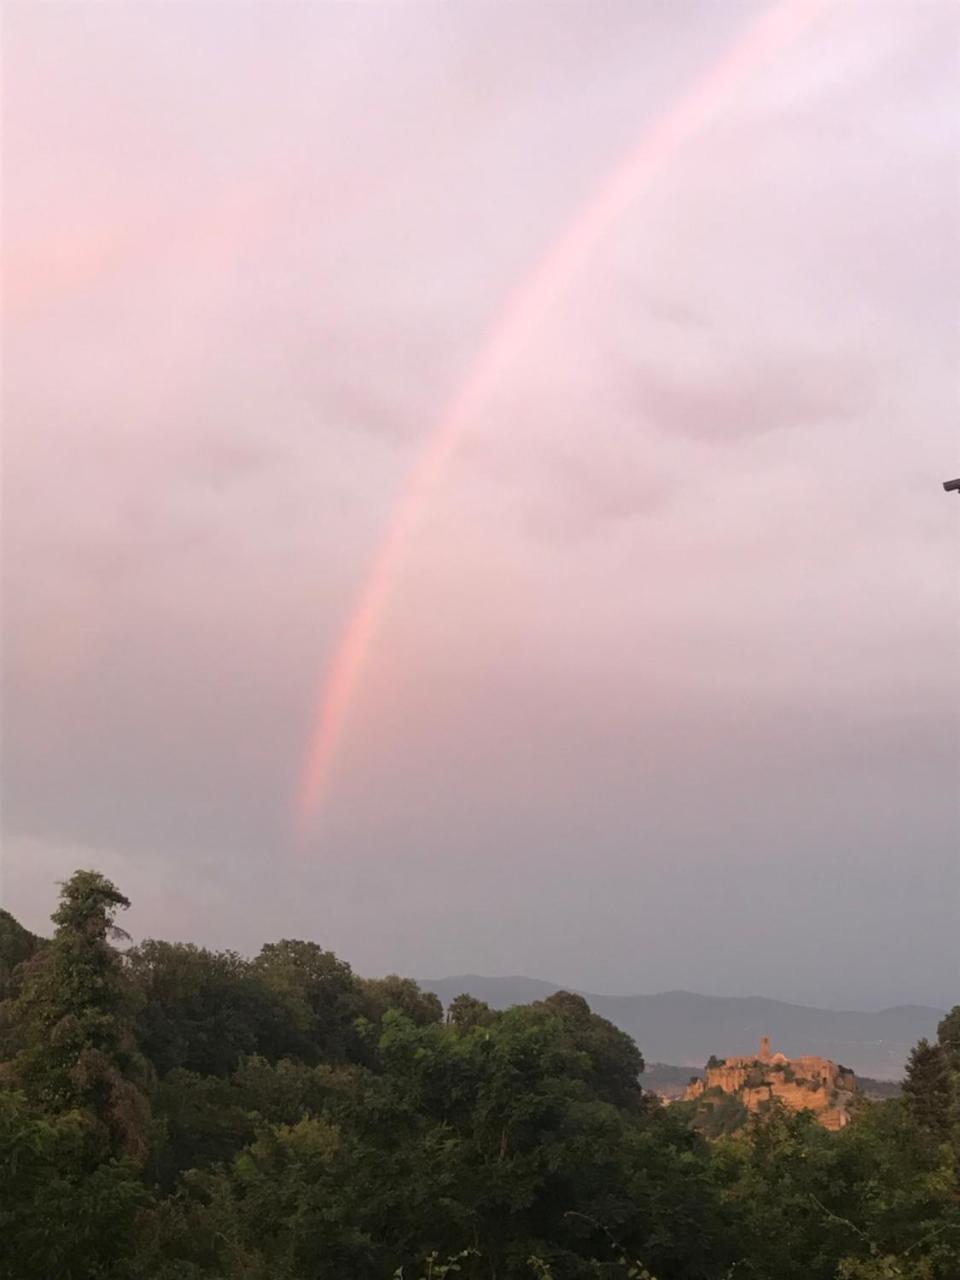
169 1112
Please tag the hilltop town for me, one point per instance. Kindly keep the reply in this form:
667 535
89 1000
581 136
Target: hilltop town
809 1083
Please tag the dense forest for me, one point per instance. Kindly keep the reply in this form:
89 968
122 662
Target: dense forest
173 1113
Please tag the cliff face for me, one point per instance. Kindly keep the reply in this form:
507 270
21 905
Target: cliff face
800 1084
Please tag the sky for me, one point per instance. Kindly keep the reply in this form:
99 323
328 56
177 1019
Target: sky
663 688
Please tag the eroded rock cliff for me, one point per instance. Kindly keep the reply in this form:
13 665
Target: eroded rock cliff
809 1083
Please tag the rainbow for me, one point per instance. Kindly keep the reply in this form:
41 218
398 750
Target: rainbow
762 40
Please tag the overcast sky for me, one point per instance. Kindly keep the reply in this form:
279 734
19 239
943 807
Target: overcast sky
665 691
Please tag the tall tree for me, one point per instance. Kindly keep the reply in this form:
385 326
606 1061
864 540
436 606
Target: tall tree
17 945
466 1012
927 1087
60 1215
379 995
200 1010
948 1036
314 1001
615 1062
73 1019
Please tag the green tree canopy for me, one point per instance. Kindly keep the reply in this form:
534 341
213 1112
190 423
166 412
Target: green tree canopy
200 1010
73 1019
927 1087
306 1124
314 999
17 945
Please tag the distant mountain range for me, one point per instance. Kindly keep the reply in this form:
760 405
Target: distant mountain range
684 1028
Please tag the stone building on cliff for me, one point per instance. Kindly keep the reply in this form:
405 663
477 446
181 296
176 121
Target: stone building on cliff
800 1084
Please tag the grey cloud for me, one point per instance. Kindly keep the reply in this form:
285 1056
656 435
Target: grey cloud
756 396
587 491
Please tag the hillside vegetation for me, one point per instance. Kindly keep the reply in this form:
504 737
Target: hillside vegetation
173 1113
